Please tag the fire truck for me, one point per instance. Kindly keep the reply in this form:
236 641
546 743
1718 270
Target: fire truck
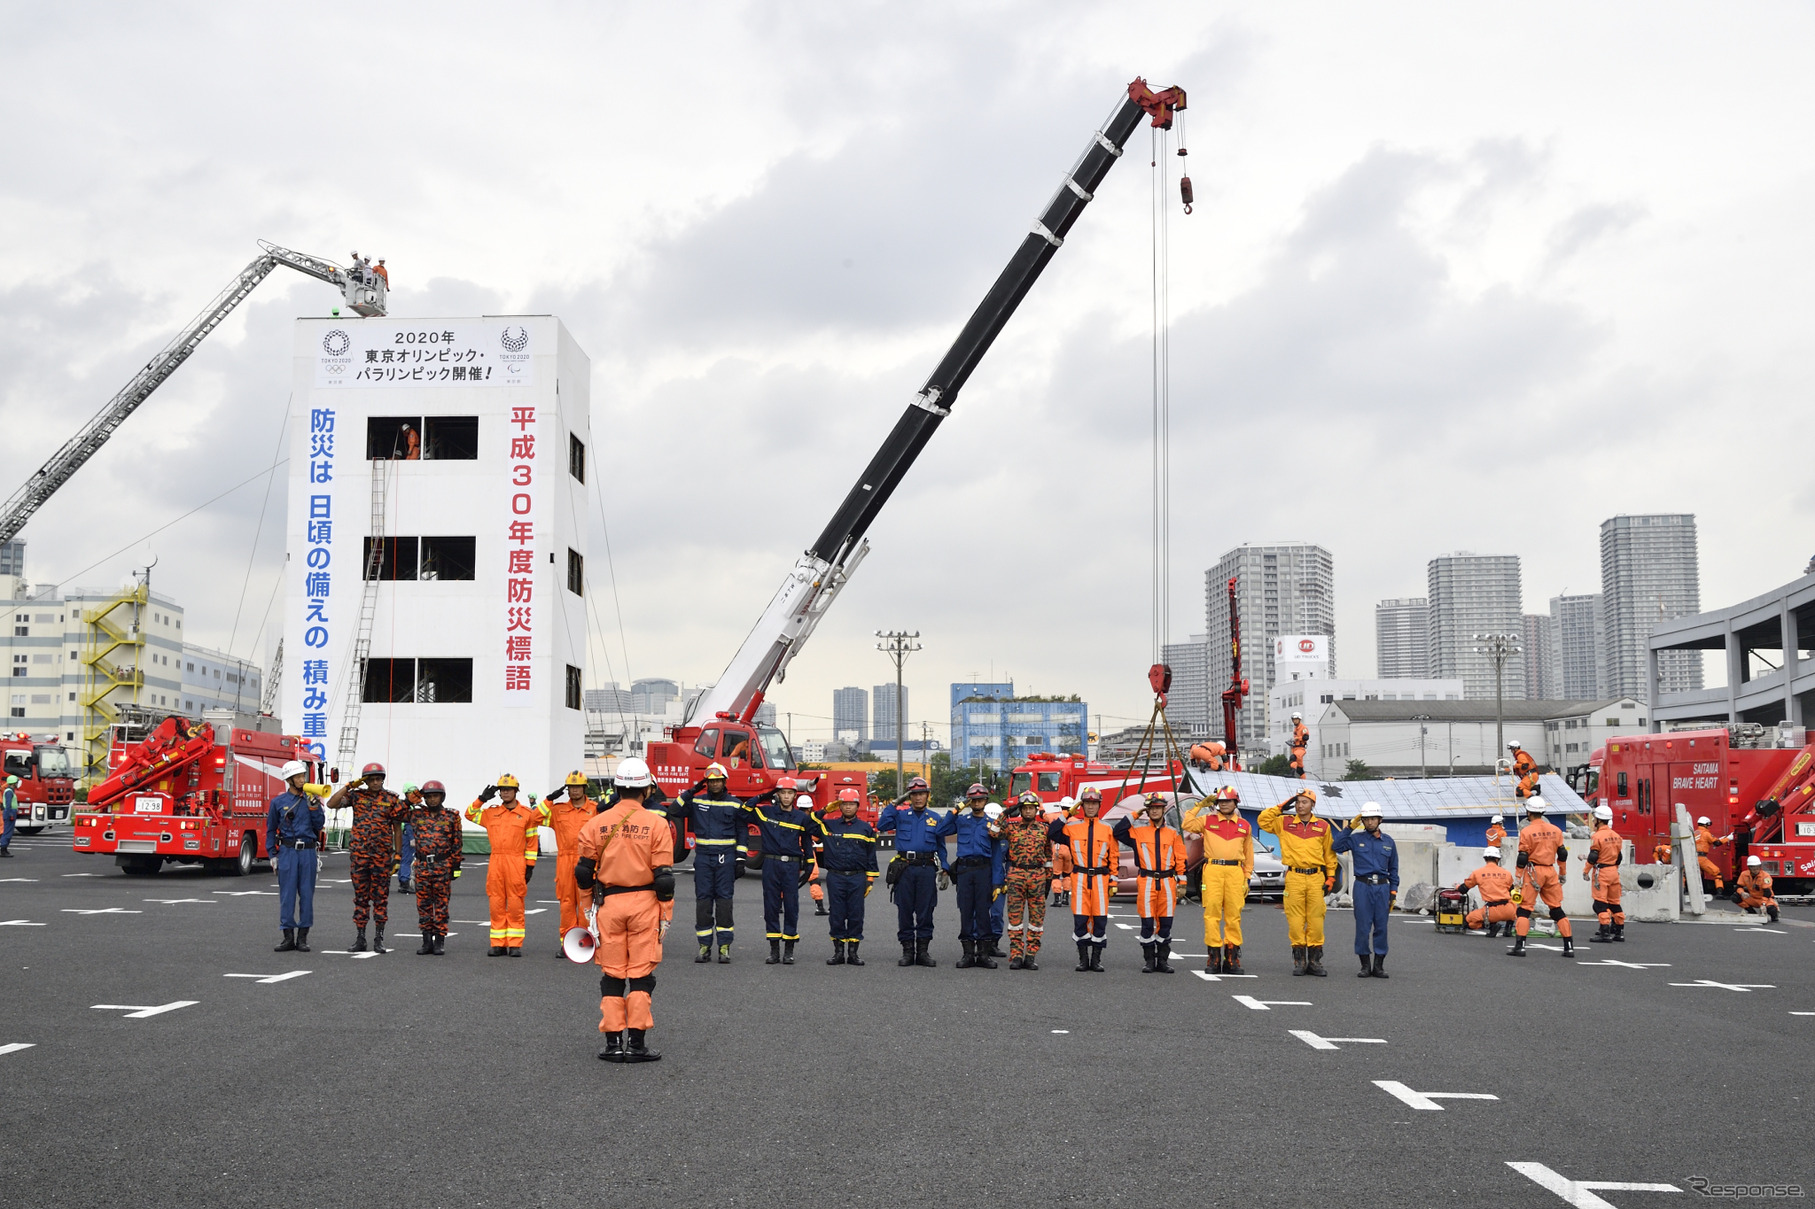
757 755
1054 776
1762 796
46 780
191 794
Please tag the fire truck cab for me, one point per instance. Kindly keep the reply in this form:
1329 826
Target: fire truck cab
47 781
1055 775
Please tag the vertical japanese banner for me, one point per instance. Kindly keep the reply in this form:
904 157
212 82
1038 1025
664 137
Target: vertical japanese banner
520 552
318 582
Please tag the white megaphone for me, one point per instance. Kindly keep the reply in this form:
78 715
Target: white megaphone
579 944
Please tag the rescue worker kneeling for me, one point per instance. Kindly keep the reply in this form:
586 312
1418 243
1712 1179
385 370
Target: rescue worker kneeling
1159 872
1602 871
626 859
1542 862
1228 864
1304 846
1495 884
1752 889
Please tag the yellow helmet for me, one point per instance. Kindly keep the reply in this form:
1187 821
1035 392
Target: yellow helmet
507 781
576 779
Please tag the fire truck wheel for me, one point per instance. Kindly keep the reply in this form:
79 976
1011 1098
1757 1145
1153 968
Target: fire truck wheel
248 852
28 830
142 866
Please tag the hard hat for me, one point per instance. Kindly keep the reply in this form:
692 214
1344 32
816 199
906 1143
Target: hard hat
716 772
804 802
576 778
1753 862
1155 799
1306 792
633 774
429 787
848 795
508 781
374 769
1090 793
1498 818
1491 852
412 789
1513 745
780 782
1228 793
1296 714
1604 813
1703 821
993 810
918 784
1535 805
1066 803
1371 810
1030 798
976 791
295 768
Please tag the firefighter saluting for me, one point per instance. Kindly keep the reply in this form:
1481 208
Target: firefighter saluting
511 827
1027 849
437 837
565 811
711 810
1159 871
378 816
1228 864
1304 846
1094 860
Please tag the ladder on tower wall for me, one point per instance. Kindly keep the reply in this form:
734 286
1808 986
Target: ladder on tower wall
362 633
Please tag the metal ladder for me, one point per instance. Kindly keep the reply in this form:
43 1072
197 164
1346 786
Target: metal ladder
362 639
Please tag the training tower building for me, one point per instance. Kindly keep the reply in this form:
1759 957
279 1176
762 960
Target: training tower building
435 618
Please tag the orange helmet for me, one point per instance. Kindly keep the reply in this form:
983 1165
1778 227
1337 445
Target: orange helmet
847 795
1228 793
780 782
1155 799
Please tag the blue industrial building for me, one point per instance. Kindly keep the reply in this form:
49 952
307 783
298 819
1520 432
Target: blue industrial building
993 728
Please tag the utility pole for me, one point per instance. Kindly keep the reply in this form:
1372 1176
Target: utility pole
898 645
1421 719
1499 648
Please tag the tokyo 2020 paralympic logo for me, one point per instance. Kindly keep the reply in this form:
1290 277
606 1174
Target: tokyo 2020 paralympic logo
514 339
336 343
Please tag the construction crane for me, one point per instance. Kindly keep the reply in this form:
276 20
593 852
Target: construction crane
363 288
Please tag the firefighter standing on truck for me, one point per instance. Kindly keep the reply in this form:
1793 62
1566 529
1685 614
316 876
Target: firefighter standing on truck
1228 864
1543 860
922 857
1027 851
293 829
436 829
787 851
1095 859
1159 870
711 811
1602 871
1495 884
1300 743
1304 846
378 816
511 827
626 863
1525 768
848 863
565 811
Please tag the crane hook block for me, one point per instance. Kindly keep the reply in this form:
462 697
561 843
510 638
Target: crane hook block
1160 677
1184 192
1161 105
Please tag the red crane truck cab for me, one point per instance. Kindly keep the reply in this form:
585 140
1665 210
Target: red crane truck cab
1763 797
47 780
1054 776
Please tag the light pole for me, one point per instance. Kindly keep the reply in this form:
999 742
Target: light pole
1499 648
1421 719
898 645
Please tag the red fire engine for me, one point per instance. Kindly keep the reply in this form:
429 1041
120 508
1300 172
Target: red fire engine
188 794
1764 797
46 780
1054 776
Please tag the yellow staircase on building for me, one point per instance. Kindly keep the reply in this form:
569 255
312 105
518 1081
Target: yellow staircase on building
113 647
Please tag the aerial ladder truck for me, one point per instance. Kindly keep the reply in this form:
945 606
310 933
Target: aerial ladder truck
720 724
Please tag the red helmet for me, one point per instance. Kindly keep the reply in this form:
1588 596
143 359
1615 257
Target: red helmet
374 769
976 791
1228 793
1090 793
787 783
429 787
918 784
847 795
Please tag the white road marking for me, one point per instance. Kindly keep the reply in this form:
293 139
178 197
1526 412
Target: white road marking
18 879
1532 944
1267 1005
1581 1193
1802 1013
1061 1031
476 922
1629 965
1126 927
1426 1101
135 1012
1759 930
553 902
267 979
15 1046
100 911
1728 986
418 935
1207 976
18 923
537 911
174 901
1315 1042
347 953
80 875
245 893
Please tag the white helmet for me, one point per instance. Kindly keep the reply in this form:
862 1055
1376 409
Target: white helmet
1513 745
1535 805
1296 716
1604 813
633 774
804 802
1498 818
1703 821
1066 803
1372 811
1491 852
295 768
993 810
1753 862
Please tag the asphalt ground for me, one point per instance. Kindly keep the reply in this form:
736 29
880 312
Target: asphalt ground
472 1081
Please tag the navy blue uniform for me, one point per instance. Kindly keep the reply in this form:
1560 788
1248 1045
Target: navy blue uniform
917 892
849 862
975 870
717 836
787 848
1376 872
406 859
293 829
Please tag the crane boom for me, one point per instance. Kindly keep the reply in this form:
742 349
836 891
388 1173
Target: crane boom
364 295
827 565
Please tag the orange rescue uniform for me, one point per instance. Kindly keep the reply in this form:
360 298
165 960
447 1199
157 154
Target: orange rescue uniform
1159 861
512 832
1754 886
1704 841
1496 835
1526 769
1496 886
1301 740
565 818
1228 864
627 845
1090 846
1602 871
1541 876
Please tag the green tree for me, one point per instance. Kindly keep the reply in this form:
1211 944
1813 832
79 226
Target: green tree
1275 766
1358 771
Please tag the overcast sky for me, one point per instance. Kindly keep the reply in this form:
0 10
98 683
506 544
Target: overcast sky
1459 277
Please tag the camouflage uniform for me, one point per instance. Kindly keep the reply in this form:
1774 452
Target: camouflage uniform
1029 854
376 814
437 832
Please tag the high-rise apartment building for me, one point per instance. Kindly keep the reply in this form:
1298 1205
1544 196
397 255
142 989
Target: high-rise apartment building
883 712
851 713
1649 573
12 558
1289 588
1474 594
652 695
1540 666
1402 640
1578 643
1188 704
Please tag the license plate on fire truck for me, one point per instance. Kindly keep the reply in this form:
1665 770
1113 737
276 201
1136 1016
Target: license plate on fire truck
148 805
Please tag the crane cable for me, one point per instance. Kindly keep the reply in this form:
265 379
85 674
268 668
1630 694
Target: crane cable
1160 284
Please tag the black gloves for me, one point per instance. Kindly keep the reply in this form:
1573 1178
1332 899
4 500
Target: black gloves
529 871
583 873
555 795
806 875
488 793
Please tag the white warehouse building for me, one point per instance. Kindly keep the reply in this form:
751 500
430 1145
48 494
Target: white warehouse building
456 451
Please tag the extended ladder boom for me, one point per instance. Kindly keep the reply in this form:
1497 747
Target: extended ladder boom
819 575
363 294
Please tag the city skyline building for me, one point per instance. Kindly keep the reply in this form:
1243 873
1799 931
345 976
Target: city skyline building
1474 594
1578 638
1188 704
1402 639
882 713
851 713
1282 588
1650 573
1540 666
993 728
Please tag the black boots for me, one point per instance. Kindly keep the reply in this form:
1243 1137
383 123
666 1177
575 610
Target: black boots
774 957
614 1048
1493 931
1602 935
819 907
637 1050
1772 912
1028 962
289 941
378 940
921 956
1518 949
1232 959
850 953
1096 959
1619 931
427 946
907 954
837 957
1569 946
985 955
302 940
403 886
1163 951
970 955
1367 966
440 944
1380 965
1016 963
1213 960
1314 962
787 952
990 947
724 954
359 942
705 953
1083 966
514 950
1298 961
1148 961
495 951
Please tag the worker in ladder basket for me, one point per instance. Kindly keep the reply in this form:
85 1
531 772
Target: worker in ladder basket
1304 846
1228 864
565 811
1602 871
1094 861
626 863
511 827
1543 861
1496 886
1525 768
1301 742
1752 889
1159 871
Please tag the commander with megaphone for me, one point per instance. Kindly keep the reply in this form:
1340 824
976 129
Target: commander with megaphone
626 859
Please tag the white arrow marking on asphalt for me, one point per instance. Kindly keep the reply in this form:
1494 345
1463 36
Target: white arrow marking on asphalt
1802 1013
244 893
1207 976
1728 986
418 935
18 923
1581 1193
1629 965
99 911
267 979
1315 1042
174 901
1759 930
16 1046
18 879
1532 944
1126 927
1426 1101
537 911
349 952
1267 1005
1060 1032
135 1012
553 902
